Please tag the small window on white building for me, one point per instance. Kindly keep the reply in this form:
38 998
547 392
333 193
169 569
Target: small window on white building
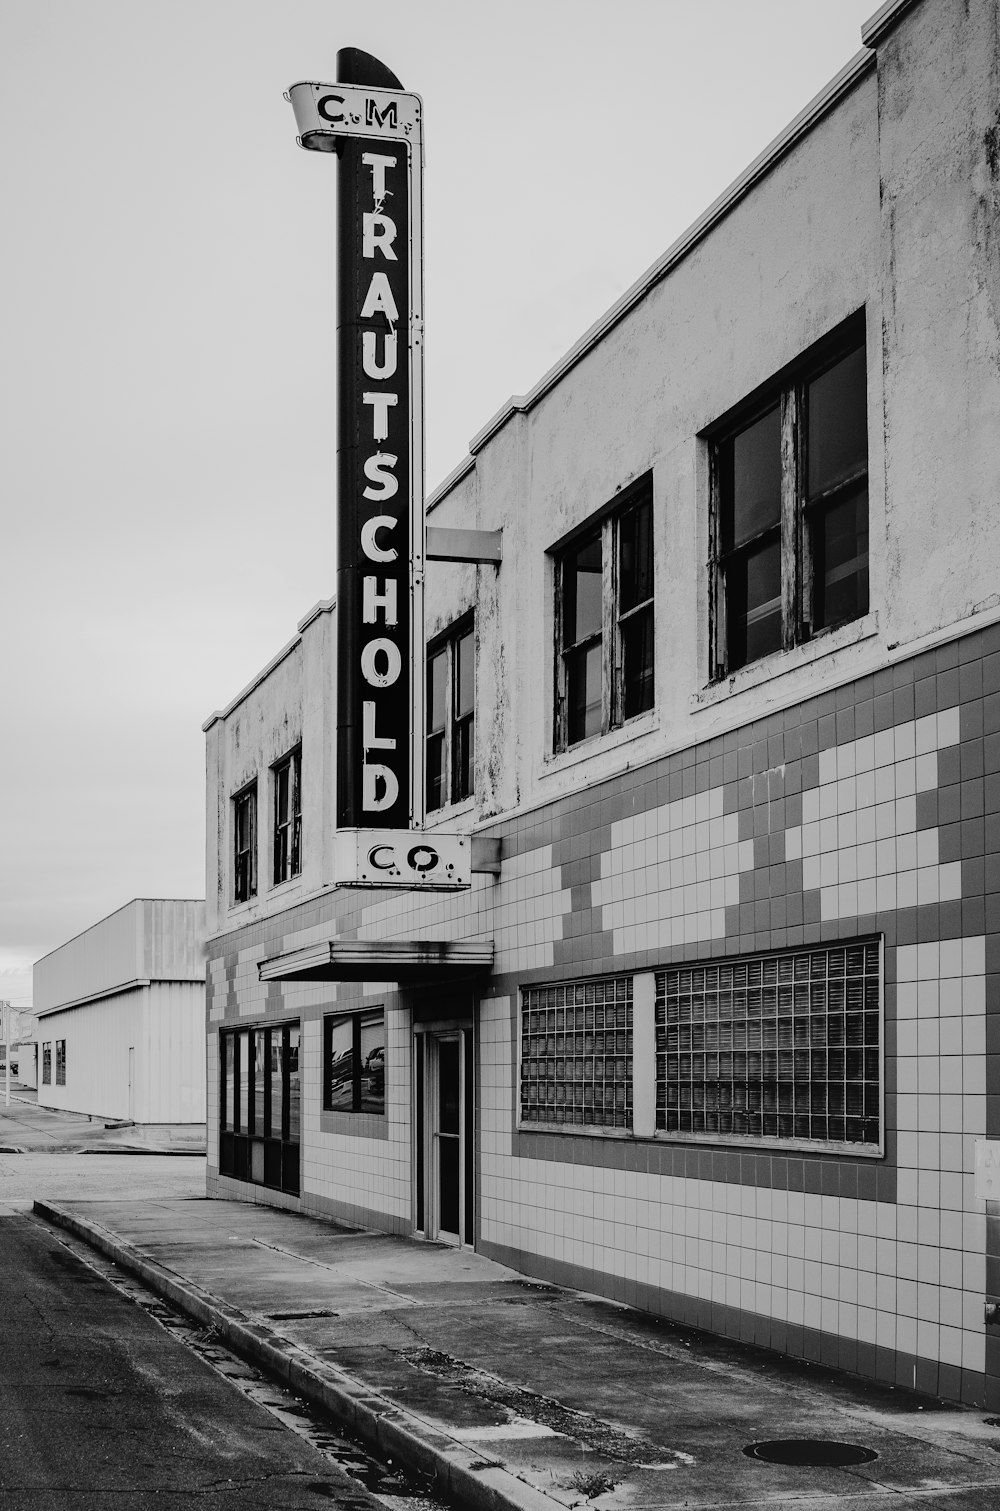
60 1062
604 622
245 844
789 520
287 817
47 1064
451 716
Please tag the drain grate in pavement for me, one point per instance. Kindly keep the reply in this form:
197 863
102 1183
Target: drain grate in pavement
811 1453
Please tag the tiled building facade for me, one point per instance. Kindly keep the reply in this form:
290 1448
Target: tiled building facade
739 1038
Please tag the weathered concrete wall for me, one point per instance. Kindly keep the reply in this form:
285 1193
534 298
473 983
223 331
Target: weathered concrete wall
939 172
788 263
292 704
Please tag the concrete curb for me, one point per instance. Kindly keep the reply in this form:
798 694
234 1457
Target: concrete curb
460 1475
135 1149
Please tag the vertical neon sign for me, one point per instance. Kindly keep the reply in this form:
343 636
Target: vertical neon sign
375 128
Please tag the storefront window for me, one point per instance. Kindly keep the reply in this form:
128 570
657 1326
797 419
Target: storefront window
260 1106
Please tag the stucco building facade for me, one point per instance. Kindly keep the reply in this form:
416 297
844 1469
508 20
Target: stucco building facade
721 1036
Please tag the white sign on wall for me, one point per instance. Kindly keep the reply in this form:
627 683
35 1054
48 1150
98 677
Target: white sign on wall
402 858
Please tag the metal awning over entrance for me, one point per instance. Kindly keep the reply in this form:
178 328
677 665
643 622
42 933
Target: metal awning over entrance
412 962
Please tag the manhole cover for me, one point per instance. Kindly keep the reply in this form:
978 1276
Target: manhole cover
810 1453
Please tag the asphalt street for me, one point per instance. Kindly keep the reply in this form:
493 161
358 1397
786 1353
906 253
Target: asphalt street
100 1407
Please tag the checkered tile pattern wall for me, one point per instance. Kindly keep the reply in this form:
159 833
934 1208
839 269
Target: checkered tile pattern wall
873 809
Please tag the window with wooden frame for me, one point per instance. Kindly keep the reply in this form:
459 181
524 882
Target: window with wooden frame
287 817
789 520
604 622
354 1062
245 844
451 716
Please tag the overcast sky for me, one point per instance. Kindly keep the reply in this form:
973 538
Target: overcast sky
167 369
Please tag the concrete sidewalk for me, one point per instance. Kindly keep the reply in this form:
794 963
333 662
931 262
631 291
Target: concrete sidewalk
27 1128
524 1396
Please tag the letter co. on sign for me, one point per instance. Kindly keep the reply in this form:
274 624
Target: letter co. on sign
380 533
383 858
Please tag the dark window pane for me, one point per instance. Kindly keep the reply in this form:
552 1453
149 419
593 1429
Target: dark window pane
435 772
465 674
635 556
277 1085
753 604
228 1080
583 693
448 1086
242 1103
244 826
373 1063
840 561
294 1088
582 591
258 1083
838 423
464 742
282 793
750 480
437 688
449 1176
340 1066
637 663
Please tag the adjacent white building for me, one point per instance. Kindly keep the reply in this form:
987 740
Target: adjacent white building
121 1016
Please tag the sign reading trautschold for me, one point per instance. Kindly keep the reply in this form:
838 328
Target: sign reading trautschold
375 129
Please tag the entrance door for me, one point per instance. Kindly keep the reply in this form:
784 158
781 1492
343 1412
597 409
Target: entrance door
441 1141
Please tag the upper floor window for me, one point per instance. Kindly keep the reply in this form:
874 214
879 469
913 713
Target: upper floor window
245 844
451 717
789 528
288 817
604 622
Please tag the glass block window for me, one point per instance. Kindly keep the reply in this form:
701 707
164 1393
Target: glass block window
576 1054
784 1046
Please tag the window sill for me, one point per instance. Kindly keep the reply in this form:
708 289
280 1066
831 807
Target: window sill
450 812
585 750
772 1145
769 668
575 1130
240 911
